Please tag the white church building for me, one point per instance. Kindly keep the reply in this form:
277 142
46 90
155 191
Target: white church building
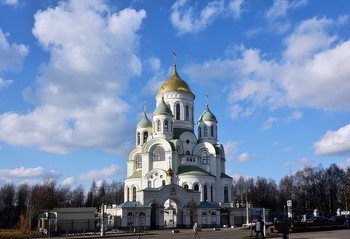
175 177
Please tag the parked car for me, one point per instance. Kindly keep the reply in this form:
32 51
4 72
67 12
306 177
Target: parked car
317 219
340 218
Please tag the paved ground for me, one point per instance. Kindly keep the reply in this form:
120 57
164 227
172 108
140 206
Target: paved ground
224 233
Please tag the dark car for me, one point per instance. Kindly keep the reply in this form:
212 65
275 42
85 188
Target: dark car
340 218
317 219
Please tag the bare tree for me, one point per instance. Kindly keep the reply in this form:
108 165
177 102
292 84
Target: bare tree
7 200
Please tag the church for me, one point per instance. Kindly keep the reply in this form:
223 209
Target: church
175 177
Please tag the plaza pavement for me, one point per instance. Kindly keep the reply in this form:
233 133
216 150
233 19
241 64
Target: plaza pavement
223 233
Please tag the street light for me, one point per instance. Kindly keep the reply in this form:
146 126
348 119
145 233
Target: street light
247 206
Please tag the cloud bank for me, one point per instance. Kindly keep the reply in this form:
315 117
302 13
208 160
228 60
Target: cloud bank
78 95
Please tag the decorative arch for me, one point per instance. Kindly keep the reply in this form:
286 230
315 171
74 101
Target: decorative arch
201 146
158 153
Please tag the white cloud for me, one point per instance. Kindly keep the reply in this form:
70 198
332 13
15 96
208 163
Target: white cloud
22 175
334 142
245 157
309 78
345 164
5 83
158 78
287 164
10 2
187 19
104 173
68 181
307 39
306 162
280 8
268 123
231 148
11 55
295 115
78 95
235 6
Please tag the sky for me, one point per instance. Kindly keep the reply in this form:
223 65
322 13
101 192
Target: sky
74 75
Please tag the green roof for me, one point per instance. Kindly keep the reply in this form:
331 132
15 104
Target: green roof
137 174
224 175
162 109
129 204
144 122
207 115
177 132
208 205
192 170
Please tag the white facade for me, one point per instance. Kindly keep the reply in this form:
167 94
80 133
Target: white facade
170 165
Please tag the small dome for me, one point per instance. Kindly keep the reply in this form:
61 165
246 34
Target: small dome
174 83
162 109
144 122
207 115
170 172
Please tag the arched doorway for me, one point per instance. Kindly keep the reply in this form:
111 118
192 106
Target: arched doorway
172 214
154 218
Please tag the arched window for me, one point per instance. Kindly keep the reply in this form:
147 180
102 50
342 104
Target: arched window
177 111
205 157
225 194
145 136
158 154
163 183
185 186
128 194
187 114
205 193
158 125
205 131
166 127
199 132
212 131
134 194
130 214
188 153
138 138
196 187
139 161
192 115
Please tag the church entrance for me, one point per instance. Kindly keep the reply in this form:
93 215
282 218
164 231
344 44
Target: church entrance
170 206
171 214
154 218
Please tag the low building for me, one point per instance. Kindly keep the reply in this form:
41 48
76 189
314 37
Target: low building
68 219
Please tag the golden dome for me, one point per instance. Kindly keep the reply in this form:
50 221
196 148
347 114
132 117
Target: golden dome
175 83
170 172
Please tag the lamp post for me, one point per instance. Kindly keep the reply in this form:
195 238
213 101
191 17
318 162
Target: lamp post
247 206
102 221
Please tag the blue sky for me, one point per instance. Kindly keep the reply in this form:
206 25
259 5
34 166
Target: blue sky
74 75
